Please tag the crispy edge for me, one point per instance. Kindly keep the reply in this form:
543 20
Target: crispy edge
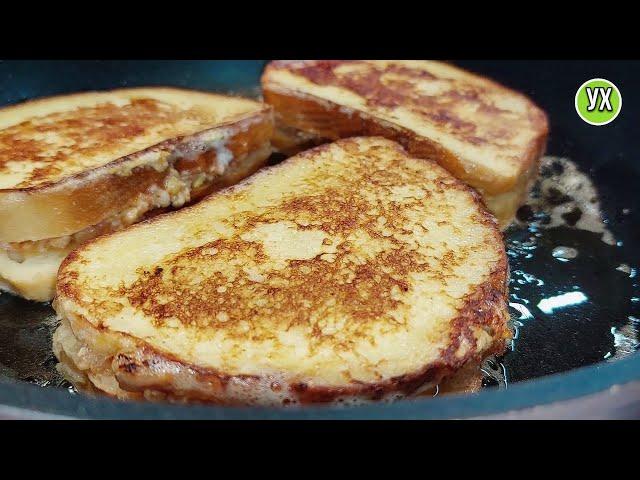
264 111
147 370
20 105
485 308
355 122
259 122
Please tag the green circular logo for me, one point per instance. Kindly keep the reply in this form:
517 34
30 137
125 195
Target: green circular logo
598 101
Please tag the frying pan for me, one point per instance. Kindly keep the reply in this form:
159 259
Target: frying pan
569 362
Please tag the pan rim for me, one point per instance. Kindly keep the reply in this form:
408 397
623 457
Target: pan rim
31 400
27 400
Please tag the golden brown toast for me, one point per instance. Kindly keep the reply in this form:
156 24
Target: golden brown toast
350 272
485 134
77 166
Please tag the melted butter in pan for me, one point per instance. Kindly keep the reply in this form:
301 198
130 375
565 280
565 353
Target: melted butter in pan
574 294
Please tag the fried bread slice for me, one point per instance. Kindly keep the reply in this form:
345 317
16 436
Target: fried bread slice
351 272
485 134
77 166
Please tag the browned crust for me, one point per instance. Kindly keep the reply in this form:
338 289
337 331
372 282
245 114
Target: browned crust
238 169
137 372
480 79
288 104
238 172
44 99
485 308
264 109
90 196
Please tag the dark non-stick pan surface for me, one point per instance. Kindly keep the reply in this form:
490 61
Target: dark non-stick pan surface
576 315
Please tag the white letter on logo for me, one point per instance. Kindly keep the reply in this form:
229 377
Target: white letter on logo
605 99
593 96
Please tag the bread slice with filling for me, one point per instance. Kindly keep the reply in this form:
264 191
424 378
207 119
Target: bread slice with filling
484 133
73 167
351 272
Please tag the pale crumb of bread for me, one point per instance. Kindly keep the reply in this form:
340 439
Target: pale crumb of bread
175 191
351 272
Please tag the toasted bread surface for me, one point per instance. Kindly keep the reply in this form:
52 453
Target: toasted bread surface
29 269
351 271
485 134
44 141
78 166
68 162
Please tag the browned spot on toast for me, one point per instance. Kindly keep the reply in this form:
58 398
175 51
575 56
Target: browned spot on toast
393 85
351 270
56 139
363 288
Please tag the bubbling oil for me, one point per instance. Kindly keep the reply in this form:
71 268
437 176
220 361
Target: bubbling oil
574 297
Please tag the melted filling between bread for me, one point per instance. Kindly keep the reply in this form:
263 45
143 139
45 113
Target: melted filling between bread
29 268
